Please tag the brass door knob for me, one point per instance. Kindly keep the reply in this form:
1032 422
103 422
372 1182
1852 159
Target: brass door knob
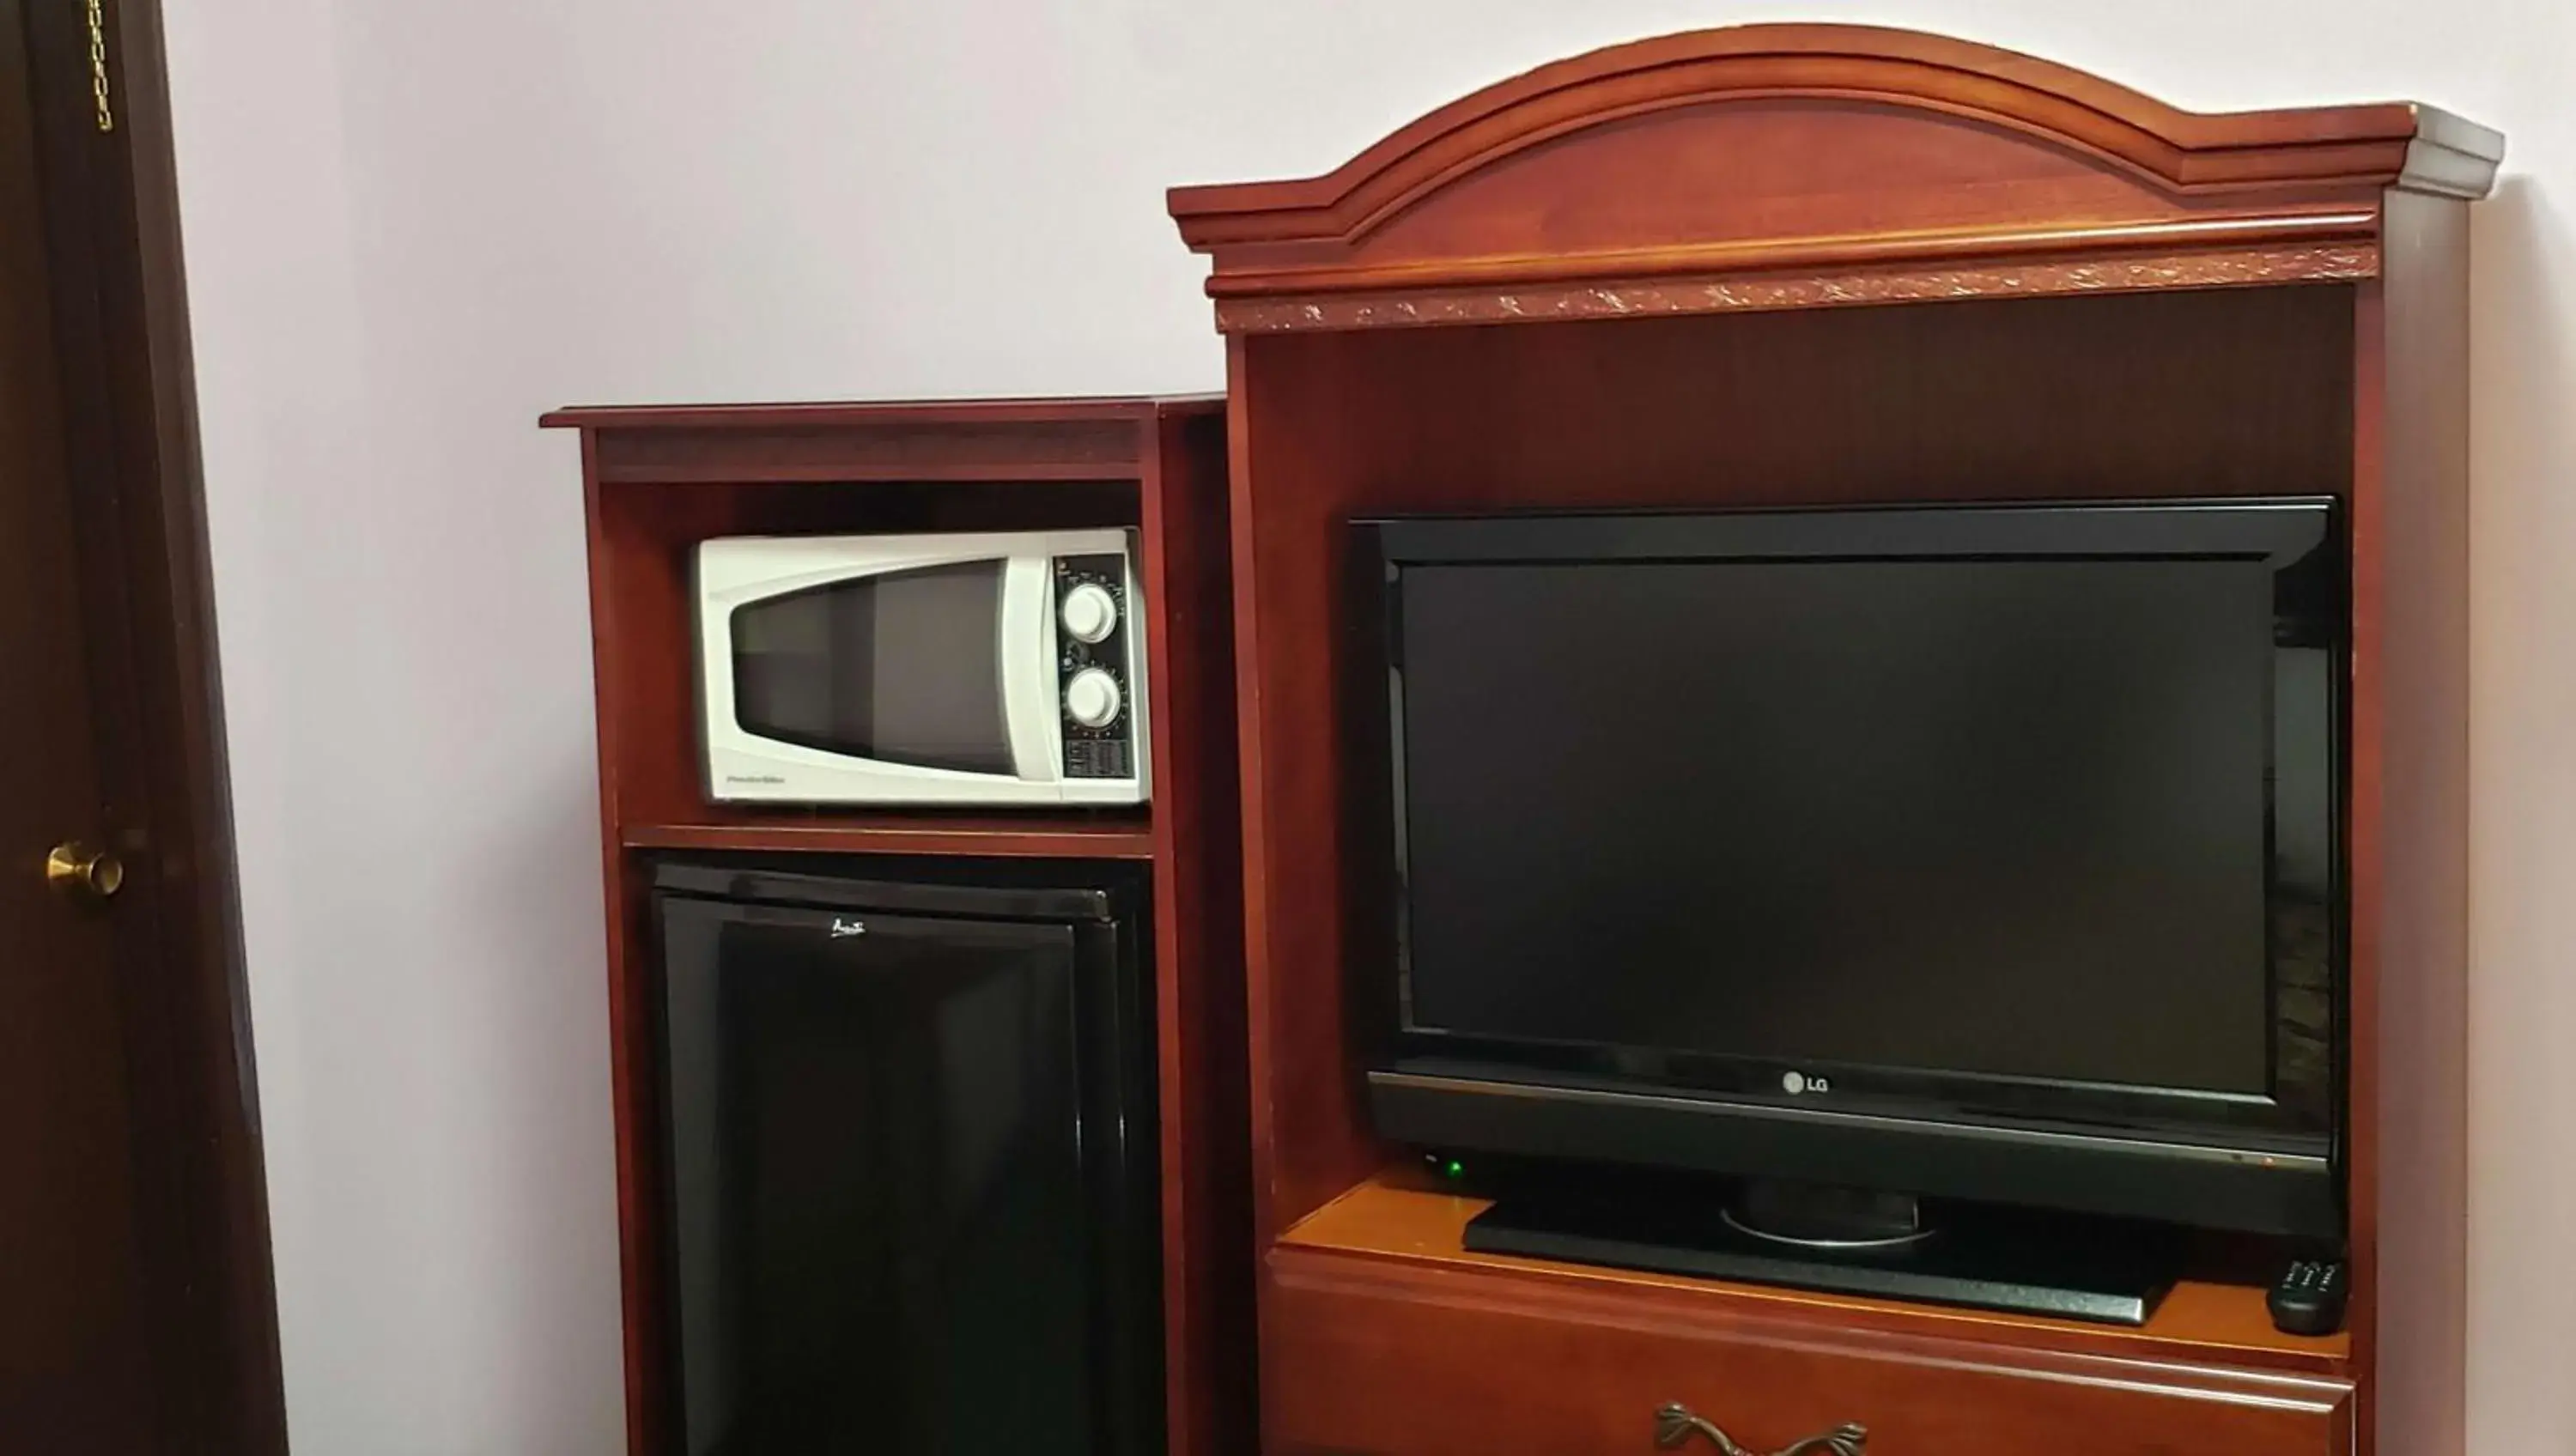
82 873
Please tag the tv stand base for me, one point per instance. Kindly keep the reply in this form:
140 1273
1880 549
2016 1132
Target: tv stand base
2072 1268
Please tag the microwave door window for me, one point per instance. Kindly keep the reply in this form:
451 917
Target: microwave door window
901 668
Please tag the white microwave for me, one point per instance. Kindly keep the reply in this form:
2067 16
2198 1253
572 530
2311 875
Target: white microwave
957 669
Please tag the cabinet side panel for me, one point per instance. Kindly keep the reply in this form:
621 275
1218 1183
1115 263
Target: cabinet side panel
2421 914
1206 1223
614 561
1296 435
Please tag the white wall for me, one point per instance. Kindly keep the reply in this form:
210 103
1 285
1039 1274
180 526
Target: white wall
412 224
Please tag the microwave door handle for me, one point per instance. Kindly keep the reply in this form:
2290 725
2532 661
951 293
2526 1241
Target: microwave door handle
1031 716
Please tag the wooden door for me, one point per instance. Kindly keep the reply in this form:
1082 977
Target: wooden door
137 1314
74 1356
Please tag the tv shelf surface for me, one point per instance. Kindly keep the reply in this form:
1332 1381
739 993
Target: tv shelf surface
1395 1218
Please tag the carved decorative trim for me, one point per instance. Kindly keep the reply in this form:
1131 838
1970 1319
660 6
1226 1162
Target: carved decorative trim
1951 248
1650 297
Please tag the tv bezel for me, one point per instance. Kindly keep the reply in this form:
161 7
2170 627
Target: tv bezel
2261 1162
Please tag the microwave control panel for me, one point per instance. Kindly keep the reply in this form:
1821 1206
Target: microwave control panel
1092 679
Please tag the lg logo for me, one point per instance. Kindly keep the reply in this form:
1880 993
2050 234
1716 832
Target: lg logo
1798 1083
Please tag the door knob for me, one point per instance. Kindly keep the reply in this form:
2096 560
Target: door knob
82 873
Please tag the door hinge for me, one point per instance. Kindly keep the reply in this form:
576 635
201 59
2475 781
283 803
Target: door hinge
106 108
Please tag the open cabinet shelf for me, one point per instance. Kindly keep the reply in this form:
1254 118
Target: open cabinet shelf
1044 836
659 480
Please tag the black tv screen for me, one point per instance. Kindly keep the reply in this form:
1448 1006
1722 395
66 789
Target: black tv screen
2004 817
2001 815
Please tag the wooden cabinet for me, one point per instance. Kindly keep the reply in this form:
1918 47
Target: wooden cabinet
1389 1359
1382 1335
658 480
1823 265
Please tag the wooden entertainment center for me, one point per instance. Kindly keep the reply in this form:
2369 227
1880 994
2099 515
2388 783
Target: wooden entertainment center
1771 266
1809 265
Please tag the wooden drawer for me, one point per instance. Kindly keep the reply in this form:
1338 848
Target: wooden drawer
1370 1358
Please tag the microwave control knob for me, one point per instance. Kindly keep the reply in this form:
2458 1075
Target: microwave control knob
1091 699
1090 612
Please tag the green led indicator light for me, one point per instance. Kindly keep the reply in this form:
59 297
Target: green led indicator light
1452 1168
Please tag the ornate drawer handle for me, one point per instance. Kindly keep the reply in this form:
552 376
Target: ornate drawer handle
1676 1424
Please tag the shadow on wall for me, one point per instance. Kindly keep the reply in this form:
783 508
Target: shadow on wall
2522 1088
549 1123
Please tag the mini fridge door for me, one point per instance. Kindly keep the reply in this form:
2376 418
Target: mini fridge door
902 1215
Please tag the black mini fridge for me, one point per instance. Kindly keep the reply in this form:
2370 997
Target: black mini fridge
909 1161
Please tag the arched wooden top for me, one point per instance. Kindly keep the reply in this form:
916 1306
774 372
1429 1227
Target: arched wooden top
1817 149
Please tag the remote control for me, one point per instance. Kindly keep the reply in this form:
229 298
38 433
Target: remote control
2309 1298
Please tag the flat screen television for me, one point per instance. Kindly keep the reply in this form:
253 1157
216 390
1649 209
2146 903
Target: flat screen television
1983 853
